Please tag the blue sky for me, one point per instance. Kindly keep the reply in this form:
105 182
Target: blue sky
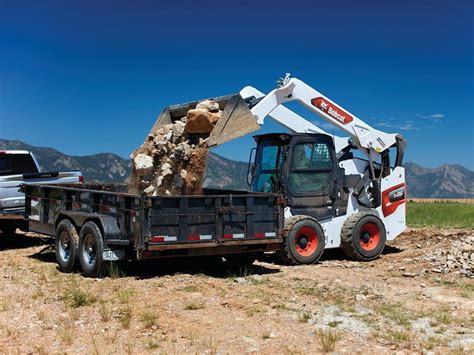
92 76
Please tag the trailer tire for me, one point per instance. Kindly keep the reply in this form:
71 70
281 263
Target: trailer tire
363 236
90 252
65 245
304 242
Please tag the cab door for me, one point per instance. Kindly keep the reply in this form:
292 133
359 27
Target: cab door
310 182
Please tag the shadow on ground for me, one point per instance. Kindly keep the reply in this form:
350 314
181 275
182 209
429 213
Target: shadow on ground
209 266
328 255
212 267
192 266
21 241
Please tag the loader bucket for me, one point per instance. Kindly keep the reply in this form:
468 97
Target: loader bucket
236 120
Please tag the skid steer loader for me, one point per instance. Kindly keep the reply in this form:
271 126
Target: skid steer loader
333 198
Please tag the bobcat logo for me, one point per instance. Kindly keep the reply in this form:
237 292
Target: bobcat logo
332 110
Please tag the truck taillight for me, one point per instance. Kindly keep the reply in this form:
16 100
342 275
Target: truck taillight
81 179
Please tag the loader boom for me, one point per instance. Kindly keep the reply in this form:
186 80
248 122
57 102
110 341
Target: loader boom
291 89
292 120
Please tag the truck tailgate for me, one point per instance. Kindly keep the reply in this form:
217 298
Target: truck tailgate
10 196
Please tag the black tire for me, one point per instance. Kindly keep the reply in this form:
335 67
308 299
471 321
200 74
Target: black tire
238 260
90 251
7 229
305 241
363 236
65 245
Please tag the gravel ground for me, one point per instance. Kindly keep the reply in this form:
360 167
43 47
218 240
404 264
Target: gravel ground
409 300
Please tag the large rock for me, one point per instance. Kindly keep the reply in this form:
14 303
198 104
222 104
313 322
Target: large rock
143 164
172 159
208 105
201 121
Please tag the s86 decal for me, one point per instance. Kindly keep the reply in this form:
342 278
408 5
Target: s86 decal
396 195
392 198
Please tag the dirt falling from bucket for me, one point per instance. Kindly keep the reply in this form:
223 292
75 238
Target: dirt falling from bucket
172 159
192 184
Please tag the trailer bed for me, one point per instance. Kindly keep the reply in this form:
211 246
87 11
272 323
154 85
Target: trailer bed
218 222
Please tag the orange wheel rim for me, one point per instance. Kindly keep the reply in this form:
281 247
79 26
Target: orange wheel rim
369 237
306 241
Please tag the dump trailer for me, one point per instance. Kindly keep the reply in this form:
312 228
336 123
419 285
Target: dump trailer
96 224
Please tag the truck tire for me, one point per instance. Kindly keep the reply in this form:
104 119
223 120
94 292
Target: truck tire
90 251
363 236
304 242
65 245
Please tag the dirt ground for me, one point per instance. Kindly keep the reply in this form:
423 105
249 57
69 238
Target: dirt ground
399 303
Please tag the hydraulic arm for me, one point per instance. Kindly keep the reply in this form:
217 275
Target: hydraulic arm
291 89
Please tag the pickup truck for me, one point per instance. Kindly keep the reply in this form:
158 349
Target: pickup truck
18 167
95 224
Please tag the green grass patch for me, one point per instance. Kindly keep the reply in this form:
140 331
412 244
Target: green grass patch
78 298
440 214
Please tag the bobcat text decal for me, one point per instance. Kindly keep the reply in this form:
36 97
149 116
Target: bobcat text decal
332 110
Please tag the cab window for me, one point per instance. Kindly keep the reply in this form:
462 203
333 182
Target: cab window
311 168
12 164
269 160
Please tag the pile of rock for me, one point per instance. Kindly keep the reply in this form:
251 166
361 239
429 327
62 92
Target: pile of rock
458 258
172 159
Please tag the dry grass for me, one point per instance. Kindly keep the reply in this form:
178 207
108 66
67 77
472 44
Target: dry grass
126 317
105 313
66 333
304 317
79 298
193 305
124 295
327 339
149 318
114 271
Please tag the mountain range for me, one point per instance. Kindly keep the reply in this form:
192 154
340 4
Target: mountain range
446 181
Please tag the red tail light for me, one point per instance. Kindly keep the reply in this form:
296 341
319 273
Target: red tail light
81 179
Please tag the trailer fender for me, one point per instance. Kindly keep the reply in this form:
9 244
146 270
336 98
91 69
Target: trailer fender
108 224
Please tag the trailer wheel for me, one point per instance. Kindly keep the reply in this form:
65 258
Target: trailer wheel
363 236
65 245
304 240
91 248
